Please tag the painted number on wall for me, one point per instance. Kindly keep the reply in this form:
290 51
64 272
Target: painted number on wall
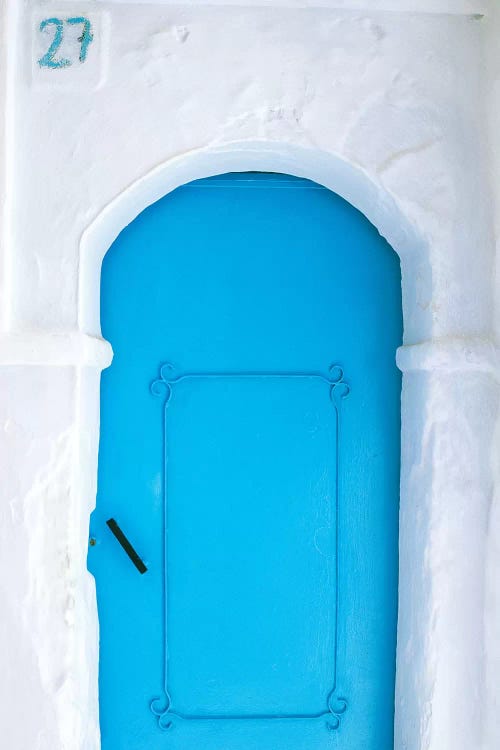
58 27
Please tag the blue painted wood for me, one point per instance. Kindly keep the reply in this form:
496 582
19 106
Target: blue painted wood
250 454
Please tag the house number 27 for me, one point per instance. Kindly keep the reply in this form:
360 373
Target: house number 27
50 59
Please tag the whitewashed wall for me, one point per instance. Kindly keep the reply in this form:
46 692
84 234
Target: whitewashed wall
395 108
491 737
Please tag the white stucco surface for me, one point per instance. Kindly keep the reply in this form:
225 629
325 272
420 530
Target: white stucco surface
397 112
491 735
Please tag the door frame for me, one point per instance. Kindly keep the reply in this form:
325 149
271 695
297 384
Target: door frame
435 375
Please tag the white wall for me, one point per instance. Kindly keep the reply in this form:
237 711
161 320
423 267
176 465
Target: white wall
391 110
492 588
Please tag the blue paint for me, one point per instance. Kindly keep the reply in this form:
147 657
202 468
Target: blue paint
86 37
48 60
256 474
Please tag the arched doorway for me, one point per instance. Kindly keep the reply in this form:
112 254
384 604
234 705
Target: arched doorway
250 455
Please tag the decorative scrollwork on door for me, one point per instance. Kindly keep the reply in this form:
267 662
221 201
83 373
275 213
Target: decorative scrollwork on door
336 390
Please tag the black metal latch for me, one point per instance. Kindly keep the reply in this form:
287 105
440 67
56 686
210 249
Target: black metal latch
127 546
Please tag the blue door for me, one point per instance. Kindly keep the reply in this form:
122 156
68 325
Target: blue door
244 542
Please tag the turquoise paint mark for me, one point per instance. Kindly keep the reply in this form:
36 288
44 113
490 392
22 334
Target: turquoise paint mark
48 59
86 37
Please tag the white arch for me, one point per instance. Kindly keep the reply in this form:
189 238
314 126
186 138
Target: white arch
347 180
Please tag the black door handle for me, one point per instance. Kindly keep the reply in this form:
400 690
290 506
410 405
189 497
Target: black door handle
120 536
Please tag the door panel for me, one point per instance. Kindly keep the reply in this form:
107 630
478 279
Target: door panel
250 453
